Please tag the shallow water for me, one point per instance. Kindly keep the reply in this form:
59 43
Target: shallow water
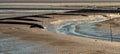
85 28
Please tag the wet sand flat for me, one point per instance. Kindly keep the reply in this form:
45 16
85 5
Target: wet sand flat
54 43
27 37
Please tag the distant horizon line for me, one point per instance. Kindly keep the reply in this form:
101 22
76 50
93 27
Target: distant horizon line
55 1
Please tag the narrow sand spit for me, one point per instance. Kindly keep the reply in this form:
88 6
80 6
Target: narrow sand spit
25 40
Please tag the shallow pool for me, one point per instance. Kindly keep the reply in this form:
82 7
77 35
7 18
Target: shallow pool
87 30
